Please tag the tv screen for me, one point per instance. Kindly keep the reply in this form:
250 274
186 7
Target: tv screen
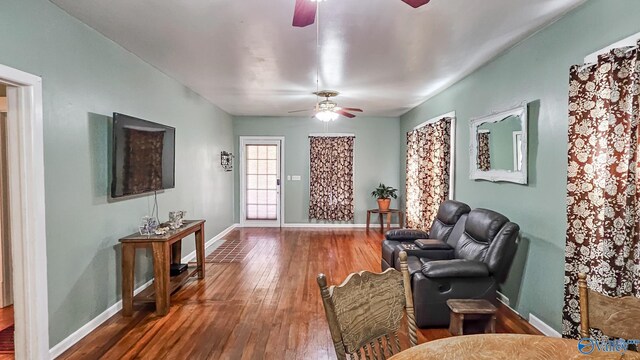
143 156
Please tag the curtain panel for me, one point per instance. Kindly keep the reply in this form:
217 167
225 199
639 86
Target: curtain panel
331 178
484 154
428 172
602 181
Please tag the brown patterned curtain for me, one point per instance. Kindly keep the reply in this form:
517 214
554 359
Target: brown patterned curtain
331 178
602 182
484 155
143 161
428 167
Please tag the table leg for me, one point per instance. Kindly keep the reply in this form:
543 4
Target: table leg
176 252
381 222
161 277
491 325
368 219
128 265
401 216
200 251
389 221
455 324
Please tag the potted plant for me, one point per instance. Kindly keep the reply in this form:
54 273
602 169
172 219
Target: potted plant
384 194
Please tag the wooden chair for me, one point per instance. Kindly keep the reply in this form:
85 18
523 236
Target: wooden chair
614 316
365 312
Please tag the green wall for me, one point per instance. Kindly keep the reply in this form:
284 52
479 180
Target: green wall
86 77
376 154
536 70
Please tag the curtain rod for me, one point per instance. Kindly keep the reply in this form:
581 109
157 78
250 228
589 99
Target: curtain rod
332 134
451 115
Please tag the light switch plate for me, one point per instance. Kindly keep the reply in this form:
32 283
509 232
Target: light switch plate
288 177
296 178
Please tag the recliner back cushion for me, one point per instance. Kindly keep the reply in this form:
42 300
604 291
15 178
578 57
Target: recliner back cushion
448 215
480 229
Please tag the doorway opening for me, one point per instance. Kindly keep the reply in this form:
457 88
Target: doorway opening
7 345
23 215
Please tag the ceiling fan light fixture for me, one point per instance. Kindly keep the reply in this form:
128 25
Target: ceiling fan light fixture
326 116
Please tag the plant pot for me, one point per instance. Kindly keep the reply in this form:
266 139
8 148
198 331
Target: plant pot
383 204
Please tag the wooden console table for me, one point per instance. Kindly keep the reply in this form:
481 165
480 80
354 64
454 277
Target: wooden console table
388 213
167 250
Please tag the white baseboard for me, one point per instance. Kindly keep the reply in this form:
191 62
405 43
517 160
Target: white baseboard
543 327
70 340
329 225
87 328
505 300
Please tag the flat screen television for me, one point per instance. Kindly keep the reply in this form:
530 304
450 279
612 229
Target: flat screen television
143 156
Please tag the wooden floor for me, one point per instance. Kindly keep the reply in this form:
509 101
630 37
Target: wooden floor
265 306
6 320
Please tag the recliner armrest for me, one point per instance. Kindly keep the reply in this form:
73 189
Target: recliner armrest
406 235
432 244
455 268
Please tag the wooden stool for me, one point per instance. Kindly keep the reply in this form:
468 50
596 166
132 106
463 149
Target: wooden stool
477 315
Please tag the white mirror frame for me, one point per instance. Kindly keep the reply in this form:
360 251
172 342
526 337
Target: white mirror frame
518 177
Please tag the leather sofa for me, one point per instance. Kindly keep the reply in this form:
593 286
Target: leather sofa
468 263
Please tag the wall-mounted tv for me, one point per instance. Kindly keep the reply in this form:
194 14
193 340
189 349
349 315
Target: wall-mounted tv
143 156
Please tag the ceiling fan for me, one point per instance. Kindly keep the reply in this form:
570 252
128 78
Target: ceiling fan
305 10
328 110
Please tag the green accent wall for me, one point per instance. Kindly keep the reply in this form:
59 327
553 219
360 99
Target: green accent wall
376 154
86 77
536 70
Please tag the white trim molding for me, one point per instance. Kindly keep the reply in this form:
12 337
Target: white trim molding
631 41
543 327
25 150
87 328
332 135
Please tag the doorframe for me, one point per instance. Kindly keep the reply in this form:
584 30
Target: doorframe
25 153
243 141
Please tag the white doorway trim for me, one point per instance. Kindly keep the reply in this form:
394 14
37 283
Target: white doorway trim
251 139
25 150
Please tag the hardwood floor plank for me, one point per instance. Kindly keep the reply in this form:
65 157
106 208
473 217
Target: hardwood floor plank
266 306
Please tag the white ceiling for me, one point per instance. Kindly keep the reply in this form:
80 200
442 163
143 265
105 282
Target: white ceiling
382 55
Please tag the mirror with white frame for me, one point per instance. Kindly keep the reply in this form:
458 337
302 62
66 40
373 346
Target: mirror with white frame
499 146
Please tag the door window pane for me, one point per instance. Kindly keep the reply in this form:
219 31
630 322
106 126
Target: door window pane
261 182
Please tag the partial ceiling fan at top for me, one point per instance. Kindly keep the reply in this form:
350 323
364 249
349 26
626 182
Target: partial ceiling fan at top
327 109
305 10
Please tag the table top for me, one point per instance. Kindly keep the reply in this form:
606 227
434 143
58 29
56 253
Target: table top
504 346
471 306
186 226
385 211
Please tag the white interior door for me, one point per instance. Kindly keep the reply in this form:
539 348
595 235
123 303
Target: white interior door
260 181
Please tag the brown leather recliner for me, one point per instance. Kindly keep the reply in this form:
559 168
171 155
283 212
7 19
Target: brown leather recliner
448 215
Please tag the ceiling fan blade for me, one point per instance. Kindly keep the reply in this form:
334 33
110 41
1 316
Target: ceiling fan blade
304 13
416 3
297 111
353 109
344 113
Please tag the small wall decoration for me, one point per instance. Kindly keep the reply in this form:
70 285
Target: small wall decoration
226 160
